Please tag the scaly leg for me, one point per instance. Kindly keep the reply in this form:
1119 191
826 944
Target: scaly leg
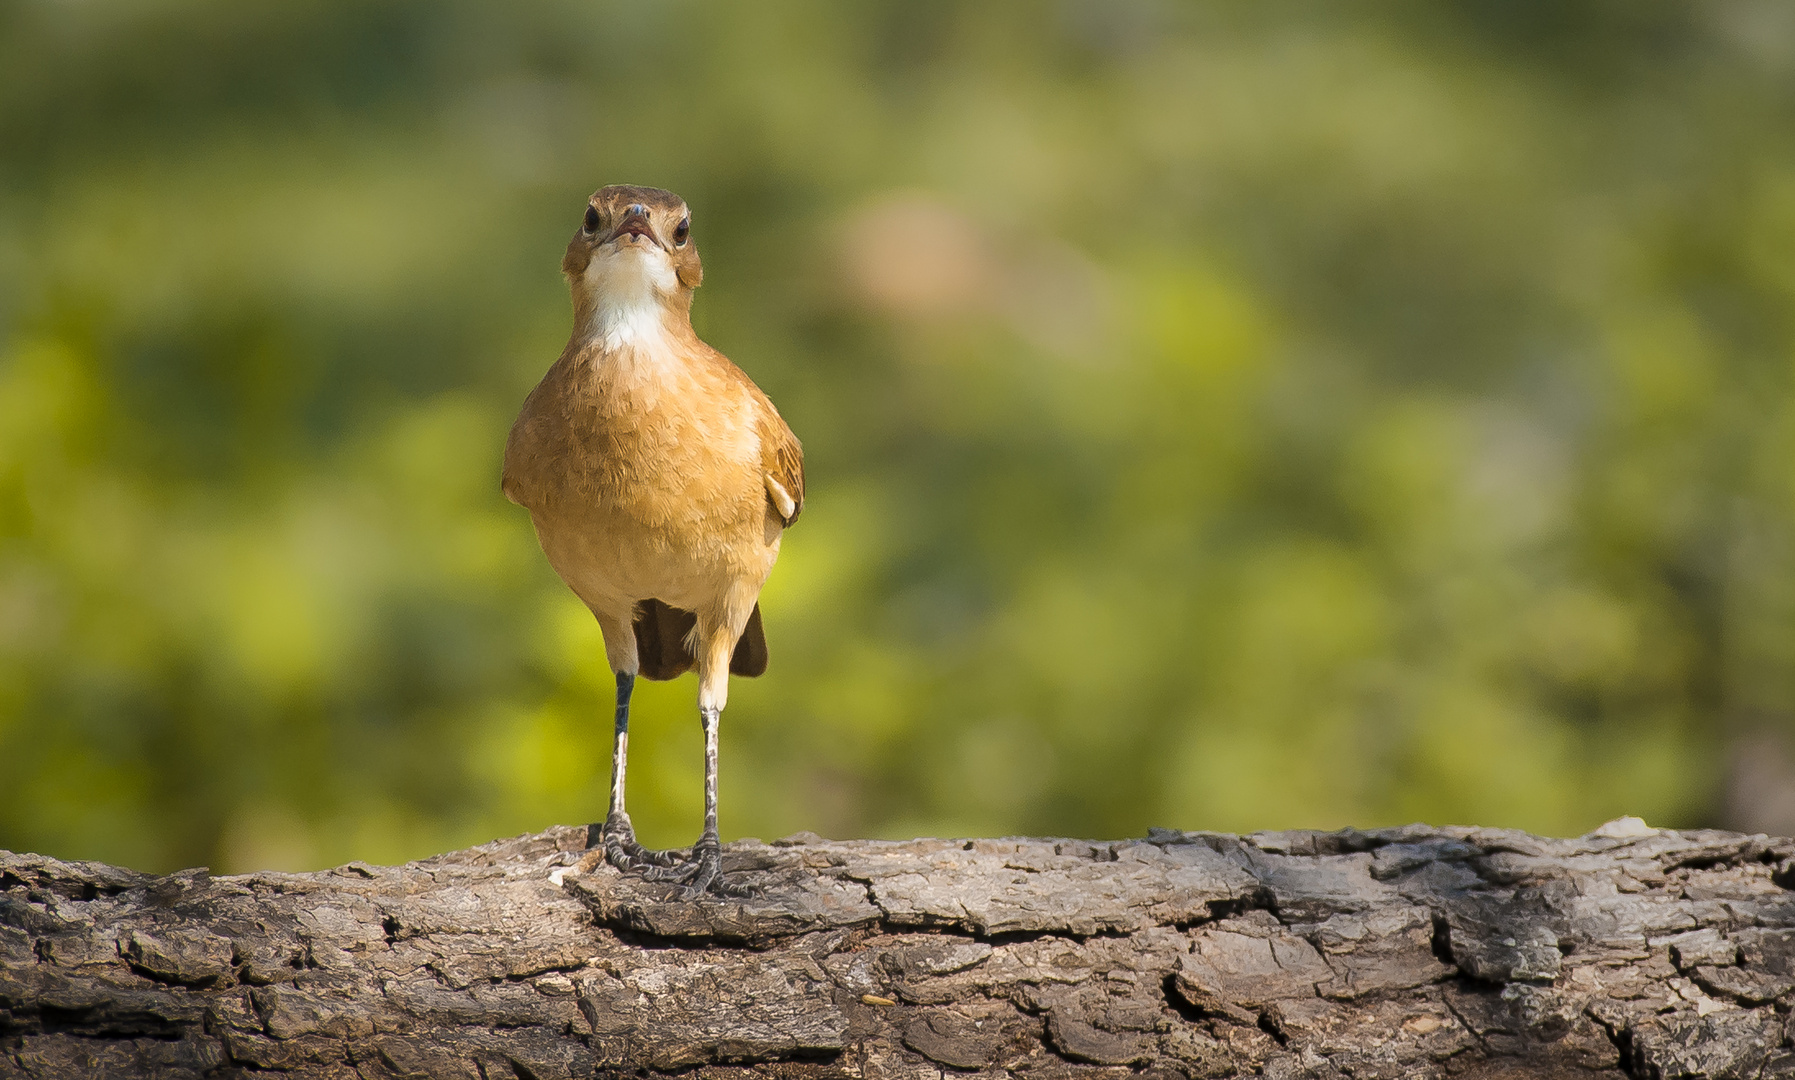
618 835
703 872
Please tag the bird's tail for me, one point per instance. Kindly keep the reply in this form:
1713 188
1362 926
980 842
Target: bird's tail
663 650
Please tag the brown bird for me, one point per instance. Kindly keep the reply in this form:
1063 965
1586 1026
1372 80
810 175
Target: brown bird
659 479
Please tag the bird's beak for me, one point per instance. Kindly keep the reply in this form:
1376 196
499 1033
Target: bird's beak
634 224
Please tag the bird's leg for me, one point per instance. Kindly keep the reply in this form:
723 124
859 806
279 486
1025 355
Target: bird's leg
707 854
702 871
618 836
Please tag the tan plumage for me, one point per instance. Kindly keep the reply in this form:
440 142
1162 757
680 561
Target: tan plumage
658 476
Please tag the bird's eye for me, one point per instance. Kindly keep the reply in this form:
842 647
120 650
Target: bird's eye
682 231
591 219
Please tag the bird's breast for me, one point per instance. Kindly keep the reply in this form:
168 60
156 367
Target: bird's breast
636 441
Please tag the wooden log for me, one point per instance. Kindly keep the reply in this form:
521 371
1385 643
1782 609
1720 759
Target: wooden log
1410 952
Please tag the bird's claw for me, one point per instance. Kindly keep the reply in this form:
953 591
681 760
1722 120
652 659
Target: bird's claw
701 874
623 852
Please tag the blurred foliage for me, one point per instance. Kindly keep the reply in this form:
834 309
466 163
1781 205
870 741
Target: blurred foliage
1218 416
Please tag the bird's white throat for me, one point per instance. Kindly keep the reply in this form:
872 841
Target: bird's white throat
629 286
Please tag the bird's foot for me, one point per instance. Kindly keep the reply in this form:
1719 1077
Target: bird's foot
700 874
622 851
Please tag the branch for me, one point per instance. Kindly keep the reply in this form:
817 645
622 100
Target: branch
1412 952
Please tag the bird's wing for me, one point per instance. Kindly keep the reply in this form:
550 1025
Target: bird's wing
782 465
781 455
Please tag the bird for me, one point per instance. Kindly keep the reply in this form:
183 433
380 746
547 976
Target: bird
659 479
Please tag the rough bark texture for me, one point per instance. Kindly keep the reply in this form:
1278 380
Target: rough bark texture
1413 952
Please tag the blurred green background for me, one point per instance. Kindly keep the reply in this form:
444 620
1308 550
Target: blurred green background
1218 416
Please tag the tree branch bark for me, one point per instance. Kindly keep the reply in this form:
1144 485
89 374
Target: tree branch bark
1412 952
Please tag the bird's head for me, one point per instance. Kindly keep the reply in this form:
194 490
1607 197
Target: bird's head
633 250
